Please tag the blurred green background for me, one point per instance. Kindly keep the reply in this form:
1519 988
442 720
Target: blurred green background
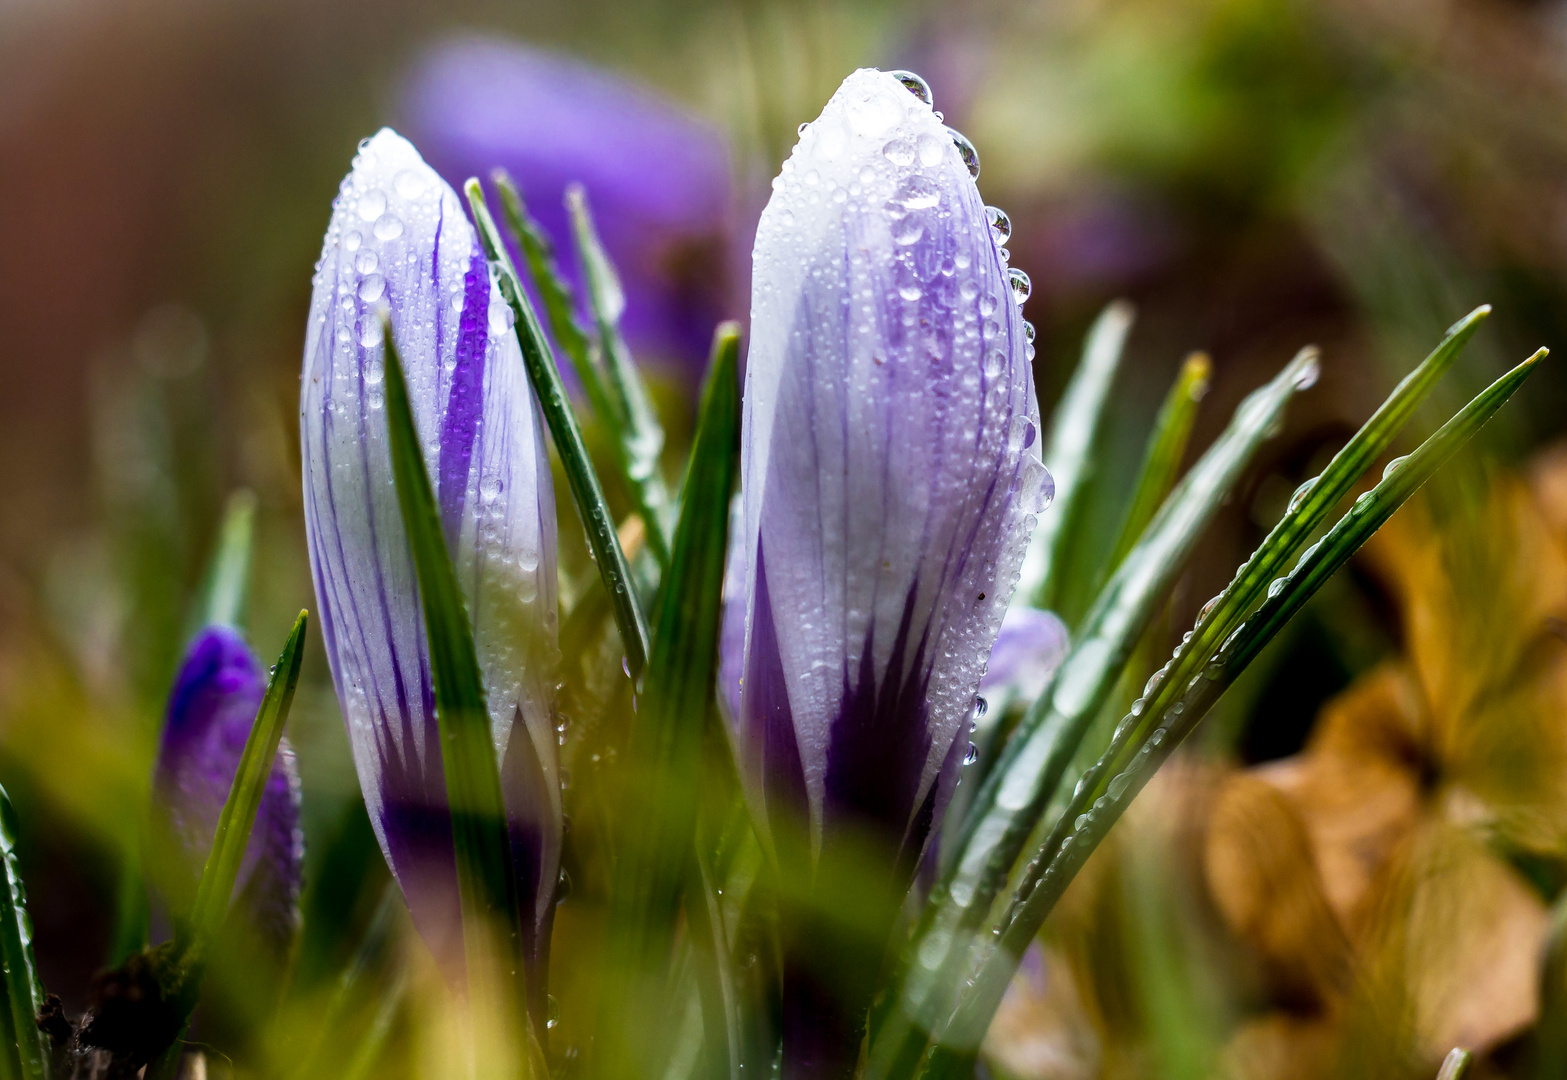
1253 174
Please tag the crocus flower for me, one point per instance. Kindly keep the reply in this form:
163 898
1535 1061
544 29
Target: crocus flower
216 695
657 177
399 242
891 478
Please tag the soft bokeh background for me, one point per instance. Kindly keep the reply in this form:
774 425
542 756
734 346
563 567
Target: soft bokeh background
1254 174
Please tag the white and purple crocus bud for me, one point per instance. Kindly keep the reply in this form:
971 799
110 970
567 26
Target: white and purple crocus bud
890 480
217 693
399 242
891 471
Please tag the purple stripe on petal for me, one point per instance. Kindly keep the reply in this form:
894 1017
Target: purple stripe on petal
465 398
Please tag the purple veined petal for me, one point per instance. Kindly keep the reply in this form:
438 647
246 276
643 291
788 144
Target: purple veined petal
216 694
1028 649
659 178
890 466
399 241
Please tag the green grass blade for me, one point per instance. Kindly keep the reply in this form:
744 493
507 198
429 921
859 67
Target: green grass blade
586 492
1456 1065
1551 1031
228 576
486 885
195 933
1014 795
1162 460
1138 750
641 436
560 303
1068 453
24 1054
660 806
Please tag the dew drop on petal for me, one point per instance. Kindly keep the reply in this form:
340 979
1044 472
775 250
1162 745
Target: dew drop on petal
352 240
372 288
372 204
1021 285
908 231
971 755
1029 331
910 292
931 150
899 151
914 84
388 227
410 183
966 151
367 261
1000 224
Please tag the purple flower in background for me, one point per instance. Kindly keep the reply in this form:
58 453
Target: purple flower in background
890 479
399 241
658 178
1028 649
216 695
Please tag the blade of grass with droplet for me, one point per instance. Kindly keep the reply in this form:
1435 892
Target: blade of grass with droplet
1310 505
586 491
486 884
1162 460
660 805
24 1053
235 822
1131 761
641 437
1012 797
560 302
1456 1065
1074 428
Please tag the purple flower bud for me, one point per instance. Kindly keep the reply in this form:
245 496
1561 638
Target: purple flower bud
399 241
216 695
658 178
891 471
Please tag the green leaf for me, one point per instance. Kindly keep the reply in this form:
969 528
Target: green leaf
195 933
586 492
1551 1030
486 885
661 799
1162 460
1138 750
641 439
1456 1065
228 575
560 303
24 1054
1074 427
1012 797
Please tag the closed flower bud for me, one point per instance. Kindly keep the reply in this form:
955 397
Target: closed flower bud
891 471
399 242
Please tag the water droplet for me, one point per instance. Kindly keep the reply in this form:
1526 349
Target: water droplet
625 666
918 193
981 707
1300 494
1028 331
966 151
1392 466
1021 285
410 183
914 84
367 261
802 129
372 204
1207 608
899 151
1000 224
501 319
489 489
352 240
987 304
932 150
994 364
910 292
1275 587
371 288
388 227
971 755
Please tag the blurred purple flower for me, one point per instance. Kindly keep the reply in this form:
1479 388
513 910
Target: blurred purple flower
1028 649
216 695
890 479
658 178
399 240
